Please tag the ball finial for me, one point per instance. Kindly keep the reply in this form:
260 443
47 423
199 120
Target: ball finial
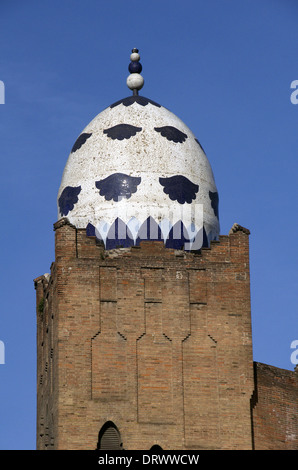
135 81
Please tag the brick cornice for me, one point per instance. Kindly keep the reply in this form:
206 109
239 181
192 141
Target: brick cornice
238 228
61 222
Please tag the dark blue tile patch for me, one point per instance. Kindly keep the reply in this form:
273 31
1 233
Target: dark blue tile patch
179 188
205 239
199 145
214 202
68 198
172 133
149 230
141 100
118 186
80 141
122 131
199 241
119 236
90 230
177 237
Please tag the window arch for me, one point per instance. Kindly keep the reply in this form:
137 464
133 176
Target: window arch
109 437
156 448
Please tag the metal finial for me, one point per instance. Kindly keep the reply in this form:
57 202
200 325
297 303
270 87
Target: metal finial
135 81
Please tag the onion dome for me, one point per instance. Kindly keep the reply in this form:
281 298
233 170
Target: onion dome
137 172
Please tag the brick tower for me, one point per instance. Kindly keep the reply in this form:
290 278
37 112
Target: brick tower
144 323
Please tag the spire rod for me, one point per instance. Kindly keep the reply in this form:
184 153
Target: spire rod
135 81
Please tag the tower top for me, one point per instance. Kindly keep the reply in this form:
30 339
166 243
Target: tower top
138 172
135 81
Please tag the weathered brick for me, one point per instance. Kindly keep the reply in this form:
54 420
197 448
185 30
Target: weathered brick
157 341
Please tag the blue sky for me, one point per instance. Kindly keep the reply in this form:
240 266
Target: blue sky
224 67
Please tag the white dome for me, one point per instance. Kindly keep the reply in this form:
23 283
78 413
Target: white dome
137 162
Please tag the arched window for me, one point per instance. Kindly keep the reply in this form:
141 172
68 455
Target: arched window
109 437
156 448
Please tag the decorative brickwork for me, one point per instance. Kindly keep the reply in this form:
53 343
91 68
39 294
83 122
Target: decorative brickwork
154 340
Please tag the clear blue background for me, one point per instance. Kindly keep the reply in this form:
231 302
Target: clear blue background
224 67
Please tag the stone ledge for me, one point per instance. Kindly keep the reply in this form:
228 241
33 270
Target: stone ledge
238 228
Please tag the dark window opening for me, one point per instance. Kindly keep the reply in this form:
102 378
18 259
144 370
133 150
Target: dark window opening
156 448
109 437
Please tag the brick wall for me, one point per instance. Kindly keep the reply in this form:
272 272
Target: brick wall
275 408
155 340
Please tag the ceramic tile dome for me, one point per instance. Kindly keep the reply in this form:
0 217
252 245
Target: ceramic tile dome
137 172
